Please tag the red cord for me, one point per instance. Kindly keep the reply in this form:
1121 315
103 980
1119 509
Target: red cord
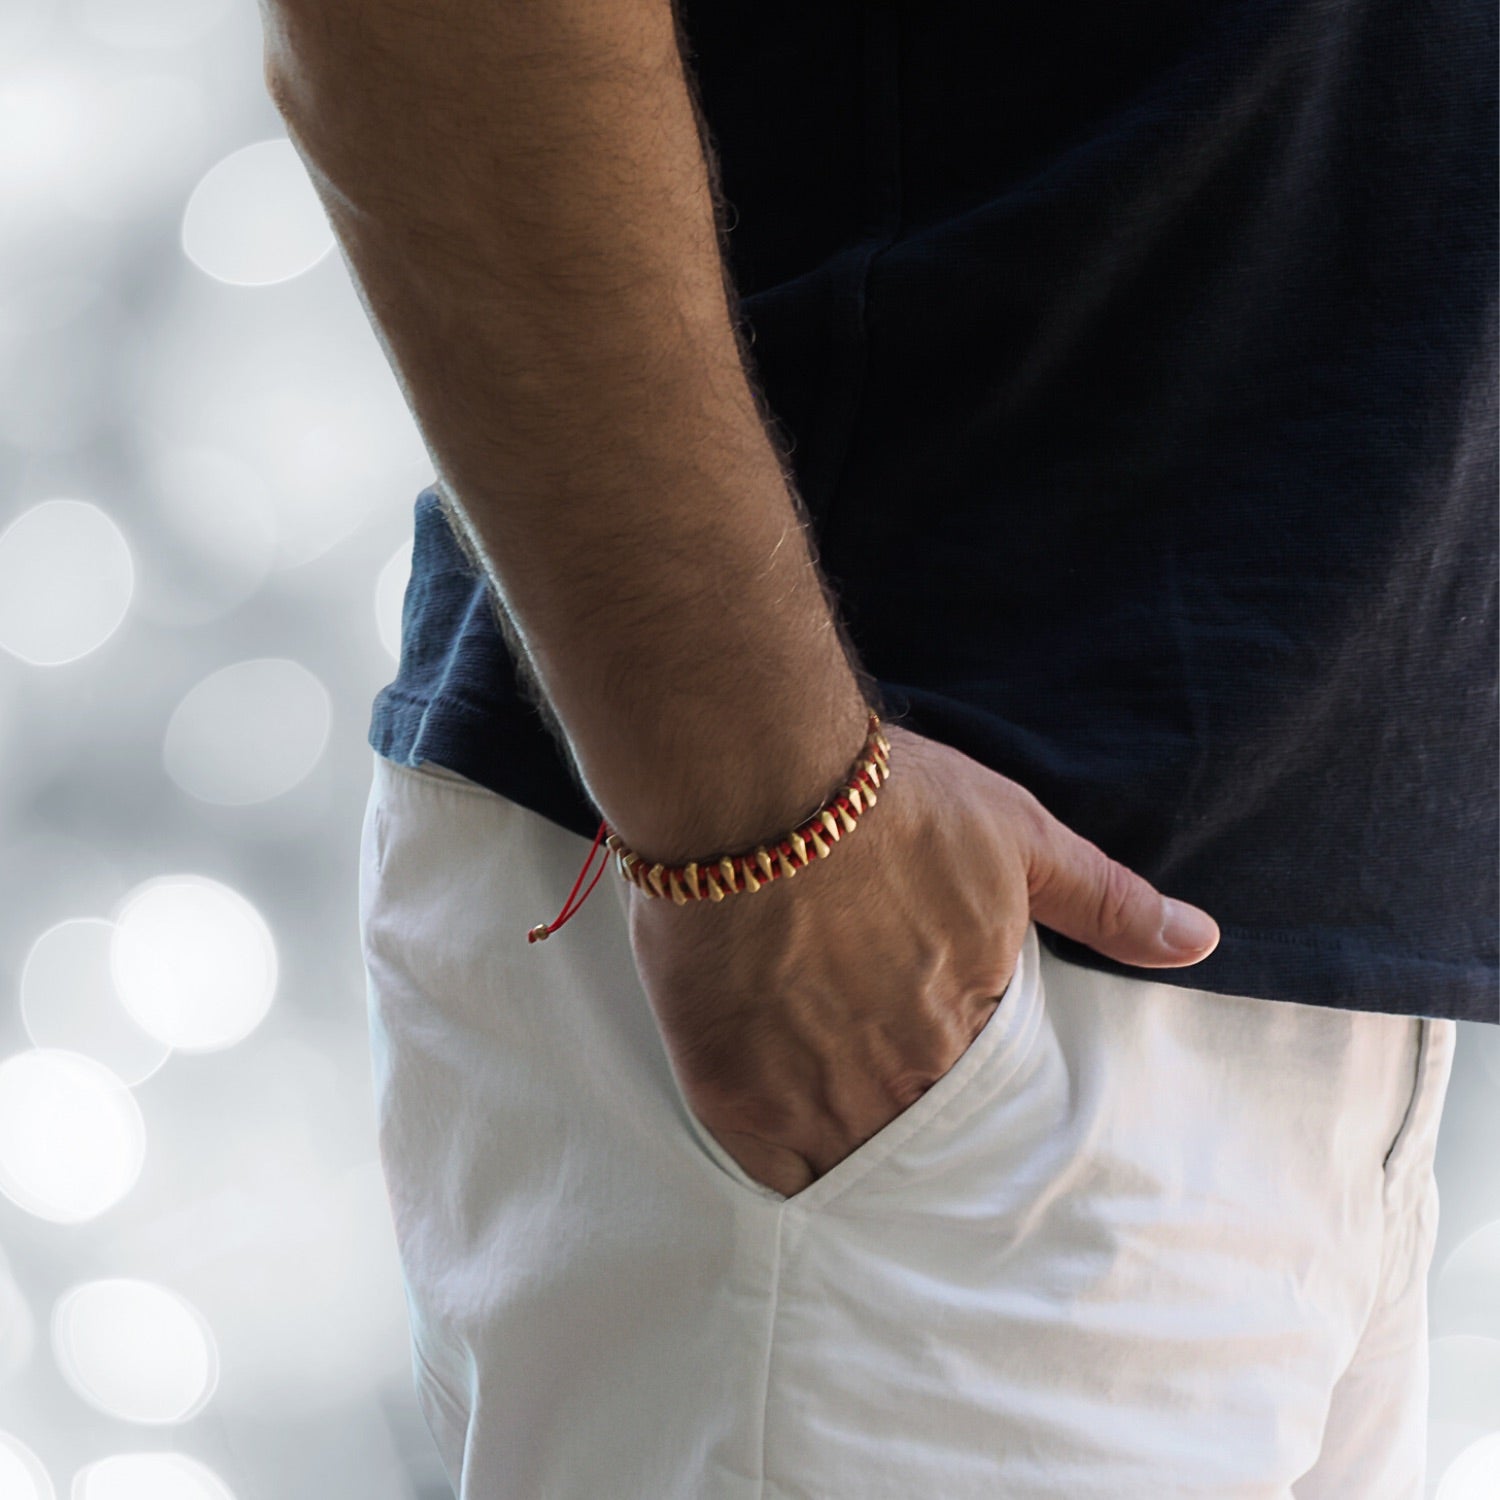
537 933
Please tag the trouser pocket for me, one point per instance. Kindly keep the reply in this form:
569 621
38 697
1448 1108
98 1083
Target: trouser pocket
975 1079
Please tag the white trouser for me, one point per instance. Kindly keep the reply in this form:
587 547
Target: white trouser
1140 1242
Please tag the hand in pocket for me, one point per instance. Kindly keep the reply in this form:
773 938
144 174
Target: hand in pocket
802 1019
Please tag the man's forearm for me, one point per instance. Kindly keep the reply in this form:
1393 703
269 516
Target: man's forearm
520 191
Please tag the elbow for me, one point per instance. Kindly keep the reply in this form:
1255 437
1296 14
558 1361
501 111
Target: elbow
305 45
280 22
295 35
314 76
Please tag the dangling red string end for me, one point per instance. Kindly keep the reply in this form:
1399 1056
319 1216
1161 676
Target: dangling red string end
543 929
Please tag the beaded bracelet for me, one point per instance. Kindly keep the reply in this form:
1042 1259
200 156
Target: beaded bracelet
729 874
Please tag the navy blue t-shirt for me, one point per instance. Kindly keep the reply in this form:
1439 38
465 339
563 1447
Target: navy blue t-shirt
1137 368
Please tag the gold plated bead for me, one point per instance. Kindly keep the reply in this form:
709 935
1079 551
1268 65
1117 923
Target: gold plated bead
654 875
831 824
763 859
674 883
714 893
539 933
726 866
798 846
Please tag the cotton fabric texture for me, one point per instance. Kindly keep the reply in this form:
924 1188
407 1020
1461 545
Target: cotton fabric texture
1137 366
1142 1241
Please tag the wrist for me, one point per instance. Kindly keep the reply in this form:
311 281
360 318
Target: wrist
776 857
747 779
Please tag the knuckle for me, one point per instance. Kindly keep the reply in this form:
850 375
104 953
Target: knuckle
1021 804
1040 844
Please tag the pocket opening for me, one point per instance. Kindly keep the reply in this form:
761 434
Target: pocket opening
998 1049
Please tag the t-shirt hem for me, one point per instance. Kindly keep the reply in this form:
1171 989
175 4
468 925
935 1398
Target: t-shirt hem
1305 966
1270 964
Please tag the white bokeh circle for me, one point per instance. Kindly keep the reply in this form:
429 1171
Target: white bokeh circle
1474 1474
149 1476
68 1001
254 219
248 732
135 1350
66 578
22 1476
193 962
72 1141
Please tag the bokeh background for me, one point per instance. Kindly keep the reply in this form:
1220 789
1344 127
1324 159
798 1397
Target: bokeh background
205 530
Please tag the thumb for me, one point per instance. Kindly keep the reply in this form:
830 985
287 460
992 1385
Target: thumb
1078 890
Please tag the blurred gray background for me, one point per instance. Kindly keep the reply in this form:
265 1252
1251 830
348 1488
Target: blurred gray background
205 530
